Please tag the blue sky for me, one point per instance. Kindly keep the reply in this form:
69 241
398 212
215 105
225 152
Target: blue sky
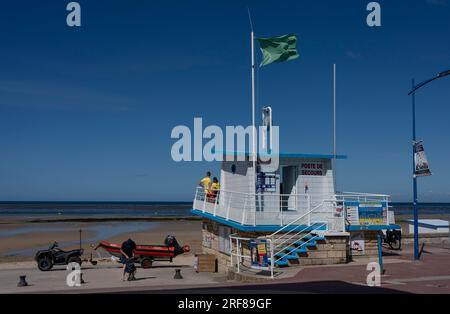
86 113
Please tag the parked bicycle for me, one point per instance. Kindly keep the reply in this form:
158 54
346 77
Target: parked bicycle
393 238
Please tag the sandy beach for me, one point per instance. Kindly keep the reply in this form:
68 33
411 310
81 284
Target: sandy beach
19 240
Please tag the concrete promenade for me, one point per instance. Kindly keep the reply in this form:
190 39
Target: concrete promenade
402 275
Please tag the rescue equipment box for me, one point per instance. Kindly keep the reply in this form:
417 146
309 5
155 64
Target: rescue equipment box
205 263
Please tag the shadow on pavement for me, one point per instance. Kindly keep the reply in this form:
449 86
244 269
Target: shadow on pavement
324 287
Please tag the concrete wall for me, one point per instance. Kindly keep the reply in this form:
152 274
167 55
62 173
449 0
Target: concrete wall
334 250
370 242
210 244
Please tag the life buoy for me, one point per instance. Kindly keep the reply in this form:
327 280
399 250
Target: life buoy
186 248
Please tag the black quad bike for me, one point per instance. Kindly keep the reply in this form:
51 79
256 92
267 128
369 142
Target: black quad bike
55 256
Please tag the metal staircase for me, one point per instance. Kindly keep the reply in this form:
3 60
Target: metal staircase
296 249
292 242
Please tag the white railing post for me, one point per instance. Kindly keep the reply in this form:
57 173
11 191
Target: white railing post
195 199
308 199
227 217
215 203
272 262
238 245
204 202
231 251
281 218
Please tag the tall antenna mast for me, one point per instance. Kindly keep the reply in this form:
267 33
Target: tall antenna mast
252 38
334 126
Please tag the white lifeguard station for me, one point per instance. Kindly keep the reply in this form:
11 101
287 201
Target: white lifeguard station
295 211
266 217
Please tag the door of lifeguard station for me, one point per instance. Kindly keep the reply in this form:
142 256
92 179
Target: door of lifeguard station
288 186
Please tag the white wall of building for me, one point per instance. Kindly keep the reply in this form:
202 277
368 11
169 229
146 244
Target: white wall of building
243 180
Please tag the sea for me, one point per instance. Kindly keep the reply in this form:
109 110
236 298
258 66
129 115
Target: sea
423 208
30 210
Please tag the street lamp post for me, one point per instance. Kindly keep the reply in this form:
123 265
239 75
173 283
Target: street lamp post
415 210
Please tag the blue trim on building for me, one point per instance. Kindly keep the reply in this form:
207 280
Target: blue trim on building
258 228
287 155
273 228
296 155
372 227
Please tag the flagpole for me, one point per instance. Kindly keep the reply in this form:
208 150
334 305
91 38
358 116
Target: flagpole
253 105
334 126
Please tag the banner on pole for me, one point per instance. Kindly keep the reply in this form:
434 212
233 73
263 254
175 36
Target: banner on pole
421 167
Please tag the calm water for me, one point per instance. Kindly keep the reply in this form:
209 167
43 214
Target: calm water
100 231
424 208
148 209
94 209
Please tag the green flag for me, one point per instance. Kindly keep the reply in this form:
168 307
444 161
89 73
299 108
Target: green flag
278 49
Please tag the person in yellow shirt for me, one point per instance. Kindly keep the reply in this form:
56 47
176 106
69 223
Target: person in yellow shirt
215 186
206 182
214 191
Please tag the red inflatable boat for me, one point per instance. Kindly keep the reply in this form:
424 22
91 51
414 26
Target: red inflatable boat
145 254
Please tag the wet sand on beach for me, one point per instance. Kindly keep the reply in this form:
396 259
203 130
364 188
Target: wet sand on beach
20 240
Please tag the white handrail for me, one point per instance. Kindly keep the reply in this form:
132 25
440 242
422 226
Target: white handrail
293 243
269 209
307 195
363 194
293 236
255 194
